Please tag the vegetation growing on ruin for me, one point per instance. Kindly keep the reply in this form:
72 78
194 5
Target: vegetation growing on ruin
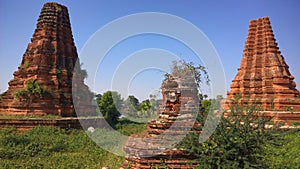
32 89
58 72
182 68
25 64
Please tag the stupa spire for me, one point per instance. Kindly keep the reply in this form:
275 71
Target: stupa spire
263 74
47 64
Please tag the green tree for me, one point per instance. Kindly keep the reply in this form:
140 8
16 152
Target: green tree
145 109
206 105
98 98
108 107
182 69
133 100
131 106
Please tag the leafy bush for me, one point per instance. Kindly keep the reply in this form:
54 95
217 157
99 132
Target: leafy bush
237 142
285 151
182 68
32 89
108 107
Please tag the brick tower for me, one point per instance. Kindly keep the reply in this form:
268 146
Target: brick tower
177 115
43 82
263 75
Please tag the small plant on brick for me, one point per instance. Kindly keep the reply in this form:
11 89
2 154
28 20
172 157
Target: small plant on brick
32 90
25 64
272 104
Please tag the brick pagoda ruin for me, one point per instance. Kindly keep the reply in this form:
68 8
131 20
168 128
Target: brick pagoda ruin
263 76
176 118
47 63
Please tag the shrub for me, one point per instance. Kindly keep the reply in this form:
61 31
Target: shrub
237 142
108 107
32 89
284 152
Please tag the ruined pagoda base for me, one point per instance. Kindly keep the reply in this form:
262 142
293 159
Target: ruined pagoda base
177 118
173 159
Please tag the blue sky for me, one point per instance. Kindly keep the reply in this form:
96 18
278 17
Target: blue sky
225 23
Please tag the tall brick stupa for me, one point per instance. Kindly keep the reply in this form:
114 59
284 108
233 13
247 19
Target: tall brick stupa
264 75
43 82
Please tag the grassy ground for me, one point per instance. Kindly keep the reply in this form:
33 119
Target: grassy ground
285 152
29 116
47 147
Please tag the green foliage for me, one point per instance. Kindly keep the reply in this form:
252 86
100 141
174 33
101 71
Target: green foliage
25 64
290 109
98 98
272 104
237 142
162 165
0 98
108 105
20 94
133 101
47 147
127 127
285 152
147 109
295 123
206 104
182 69
47 116
32 89
131 106
58 71
140 111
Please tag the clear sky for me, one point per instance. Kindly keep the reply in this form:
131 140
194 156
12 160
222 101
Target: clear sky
225 23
